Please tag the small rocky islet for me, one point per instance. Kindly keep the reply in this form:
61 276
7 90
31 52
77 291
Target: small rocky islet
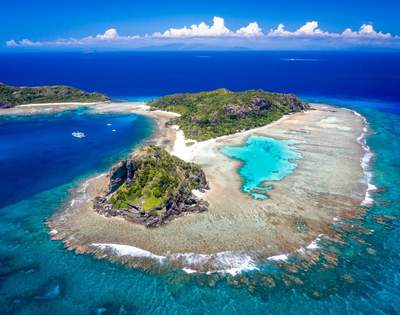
151 187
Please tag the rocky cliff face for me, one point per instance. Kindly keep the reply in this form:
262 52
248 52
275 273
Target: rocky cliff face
152 187
260 105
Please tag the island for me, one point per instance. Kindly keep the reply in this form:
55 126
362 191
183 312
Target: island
221 112
151 187
229 181
11 96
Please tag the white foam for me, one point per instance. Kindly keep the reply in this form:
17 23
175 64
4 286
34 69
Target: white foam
234 263
366 162
190 259
127 250
229 262
282 257
314 244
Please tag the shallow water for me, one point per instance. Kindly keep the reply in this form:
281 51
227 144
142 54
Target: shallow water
263 159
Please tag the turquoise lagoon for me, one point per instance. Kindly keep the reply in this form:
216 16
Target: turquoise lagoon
263 160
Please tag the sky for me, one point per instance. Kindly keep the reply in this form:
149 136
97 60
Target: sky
218 24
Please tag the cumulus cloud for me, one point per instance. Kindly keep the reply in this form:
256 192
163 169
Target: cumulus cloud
218 28
23 42
250 30
251 34
11 43
111 33
366 31
308 29
279 31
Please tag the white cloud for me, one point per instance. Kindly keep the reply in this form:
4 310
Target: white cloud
365 31
218 28
308 29
111 33
11 43
203 33
28 42
279 31
250 30
108 36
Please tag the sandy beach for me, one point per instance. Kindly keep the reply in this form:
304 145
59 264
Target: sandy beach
328 184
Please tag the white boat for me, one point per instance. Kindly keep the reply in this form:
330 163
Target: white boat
78 134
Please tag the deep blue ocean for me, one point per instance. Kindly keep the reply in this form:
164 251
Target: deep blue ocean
40 162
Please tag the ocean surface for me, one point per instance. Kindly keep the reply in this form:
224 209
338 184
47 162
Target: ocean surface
263 159
41 161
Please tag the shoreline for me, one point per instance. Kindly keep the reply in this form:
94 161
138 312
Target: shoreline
366 161
234 261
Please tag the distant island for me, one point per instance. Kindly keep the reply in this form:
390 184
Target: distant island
11 96
222 112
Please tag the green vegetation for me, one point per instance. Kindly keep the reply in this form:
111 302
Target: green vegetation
11 96
216 113
155 181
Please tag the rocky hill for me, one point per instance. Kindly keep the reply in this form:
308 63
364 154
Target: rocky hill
151 187
220 112
11 96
